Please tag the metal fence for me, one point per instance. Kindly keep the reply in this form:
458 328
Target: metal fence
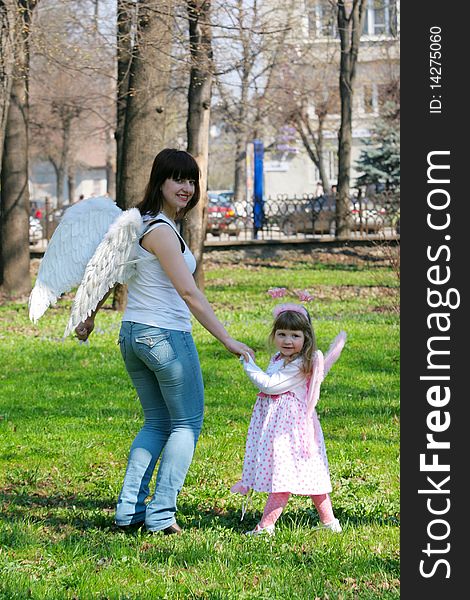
281 218
306 217
42 224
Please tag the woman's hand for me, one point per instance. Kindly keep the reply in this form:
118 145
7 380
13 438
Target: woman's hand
239 348
84 328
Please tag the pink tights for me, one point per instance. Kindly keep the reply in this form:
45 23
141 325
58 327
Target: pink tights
276 502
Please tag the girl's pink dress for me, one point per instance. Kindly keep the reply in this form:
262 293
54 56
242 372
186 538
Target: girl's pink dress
285 449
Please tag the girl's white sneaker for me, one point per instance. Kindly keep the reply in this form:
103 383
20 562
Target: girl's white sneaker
268 530
332 526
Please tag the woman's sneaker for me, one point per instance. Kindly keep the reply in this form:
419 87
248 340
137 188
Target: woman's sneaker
268 530
332 526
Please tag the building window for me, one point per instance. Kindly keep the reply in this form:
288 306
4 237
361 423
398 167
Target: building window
332 165
372 97
381 18
321 19
97 187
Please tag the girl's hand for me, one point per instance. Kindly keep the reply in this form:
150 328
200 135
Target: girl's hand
84 329
239 348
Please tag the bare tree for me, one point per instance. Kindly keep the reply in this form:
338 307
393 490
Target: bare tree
306 99
8 10
71 89
152 67
350 24
146 96
14 263
144 37
313 140
125 18
198 121
53 138
254 35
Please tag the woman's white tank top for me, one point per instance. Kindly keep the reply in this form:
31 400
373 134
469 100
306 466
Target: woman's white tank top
152 298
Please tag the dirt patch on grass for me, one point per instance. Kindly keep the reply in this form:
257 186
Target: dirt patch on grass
379 255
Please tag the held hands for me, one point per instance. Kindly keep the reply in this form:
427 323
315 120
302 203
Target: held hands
246 359
240 349
84 329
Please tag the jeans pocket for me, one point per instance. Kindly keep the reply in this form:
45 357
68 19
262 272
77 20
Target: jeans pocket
155 348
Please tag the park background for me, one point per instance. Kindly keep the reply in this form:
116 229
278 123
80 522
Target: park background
91 90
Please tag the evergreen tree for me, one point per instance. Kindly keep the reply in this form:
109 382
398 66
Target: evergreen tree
379 162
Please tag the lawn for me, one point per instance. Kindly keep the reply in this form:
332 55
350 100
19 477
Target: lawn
68 414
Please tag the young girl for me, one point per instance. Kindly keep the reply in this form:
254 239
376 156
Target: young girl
285 451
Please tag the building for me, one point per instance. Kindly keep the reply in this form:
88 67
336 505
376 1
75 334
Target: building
288 170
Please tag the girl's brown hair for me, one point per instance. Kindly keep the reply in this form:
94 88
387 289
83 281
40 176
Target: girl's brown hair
170 164
295 321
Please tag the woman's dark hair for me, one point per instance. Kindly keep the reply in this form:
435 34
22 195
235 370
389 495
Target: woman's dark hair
295 321
170 164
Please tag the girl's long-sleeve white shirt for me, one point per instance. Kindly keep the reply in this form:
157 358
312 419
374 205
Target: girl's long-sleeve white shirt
278 379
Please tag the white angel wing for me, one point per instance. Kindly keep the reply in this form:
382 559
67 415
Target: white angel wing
111 263
70 248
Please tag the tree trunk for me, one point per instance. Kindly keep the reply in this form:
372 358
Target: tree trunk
144 130
199 103
8 10
143 81
315 151
350 29
71 184
110 177
344 149
325 180
15 276
124 60
241 140
239 188
60 180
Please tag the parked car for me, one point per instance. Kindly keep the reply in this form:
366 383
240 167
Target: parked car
319 216
311 216
224 194
222 216
367 215
35 231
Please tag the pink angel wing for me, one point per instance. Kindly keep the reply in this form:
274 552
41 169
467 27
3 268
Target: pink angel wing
334 351
321 366
315 381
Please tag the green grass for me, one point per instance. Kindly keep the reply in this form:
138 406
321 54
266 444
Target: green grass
68 414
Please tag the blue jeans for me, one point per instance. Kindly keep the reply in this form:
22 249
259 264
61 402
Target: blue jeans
163 365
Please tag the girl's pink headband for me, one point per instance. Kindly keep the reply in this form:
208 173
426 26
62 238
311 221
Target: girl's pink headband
298 308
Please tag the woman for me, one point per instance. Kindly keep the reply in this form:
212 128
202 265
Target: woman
158 349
